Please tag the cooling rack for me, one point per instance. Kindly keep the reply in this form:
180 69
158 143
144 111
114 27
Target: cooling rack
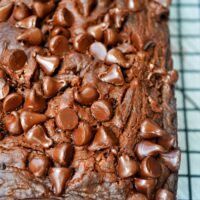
185 44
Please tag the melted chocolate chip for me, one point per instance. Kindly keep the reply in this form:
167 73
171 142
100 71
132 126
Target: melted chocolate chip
83 134
150 167
15 59
12 123
127 167
86 95
62 17
52 85
41 9
147 148
12 101
58 45
34 102
97 30
48 63
39 165
82 42
163 194
29 119
104 138
167 141
145 185
37 136
113 75
21 11
115 56
62 153
58 30
172 159
67 119
111 37
86 6
58 177
101 110
31 36
149 129
27 23
98 50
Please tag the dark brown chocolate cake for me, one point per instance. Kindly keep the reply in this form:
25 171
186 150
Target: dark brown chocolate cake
87 107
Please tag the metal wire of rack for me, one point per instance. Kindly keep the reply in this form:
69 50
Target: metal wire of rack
185 42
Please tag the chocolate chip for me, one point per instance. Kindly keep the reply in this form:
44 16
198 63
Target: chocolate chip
147 148
145 185
34 102
82 42
86 6
63 17
113 75
6 11
21 11
168 141
58 30
118 16
58 45
27 23
12 123
172 159
97 30
52 85
104 138
39 165
67 119
127 167
48 63
83 134
111 37
115 56
58 177
12 101
29 119
62 153
31 36
101 110
163 194
42 9
37 136
15 59
98 50
86 95
4 88
150 168
137 196
149 129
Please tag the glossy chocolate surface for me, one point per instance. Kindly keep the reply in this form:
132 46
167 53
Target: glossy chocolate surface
87 108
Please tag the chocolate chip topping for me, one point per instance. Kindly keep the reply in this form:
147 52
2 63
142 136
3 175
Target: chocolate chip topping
86 100
101 110
12 101
67 119
6 11
21 11
39 165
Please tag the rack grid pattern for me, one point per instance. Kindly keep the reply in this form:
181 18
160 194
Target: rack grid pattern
185 44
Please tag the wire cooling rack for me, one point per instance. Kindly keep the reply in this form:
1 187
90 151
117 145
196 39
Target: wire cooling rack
185 44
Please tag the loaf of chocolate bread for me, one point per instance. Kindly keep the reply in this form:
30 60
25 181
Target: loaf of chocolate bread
87 107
